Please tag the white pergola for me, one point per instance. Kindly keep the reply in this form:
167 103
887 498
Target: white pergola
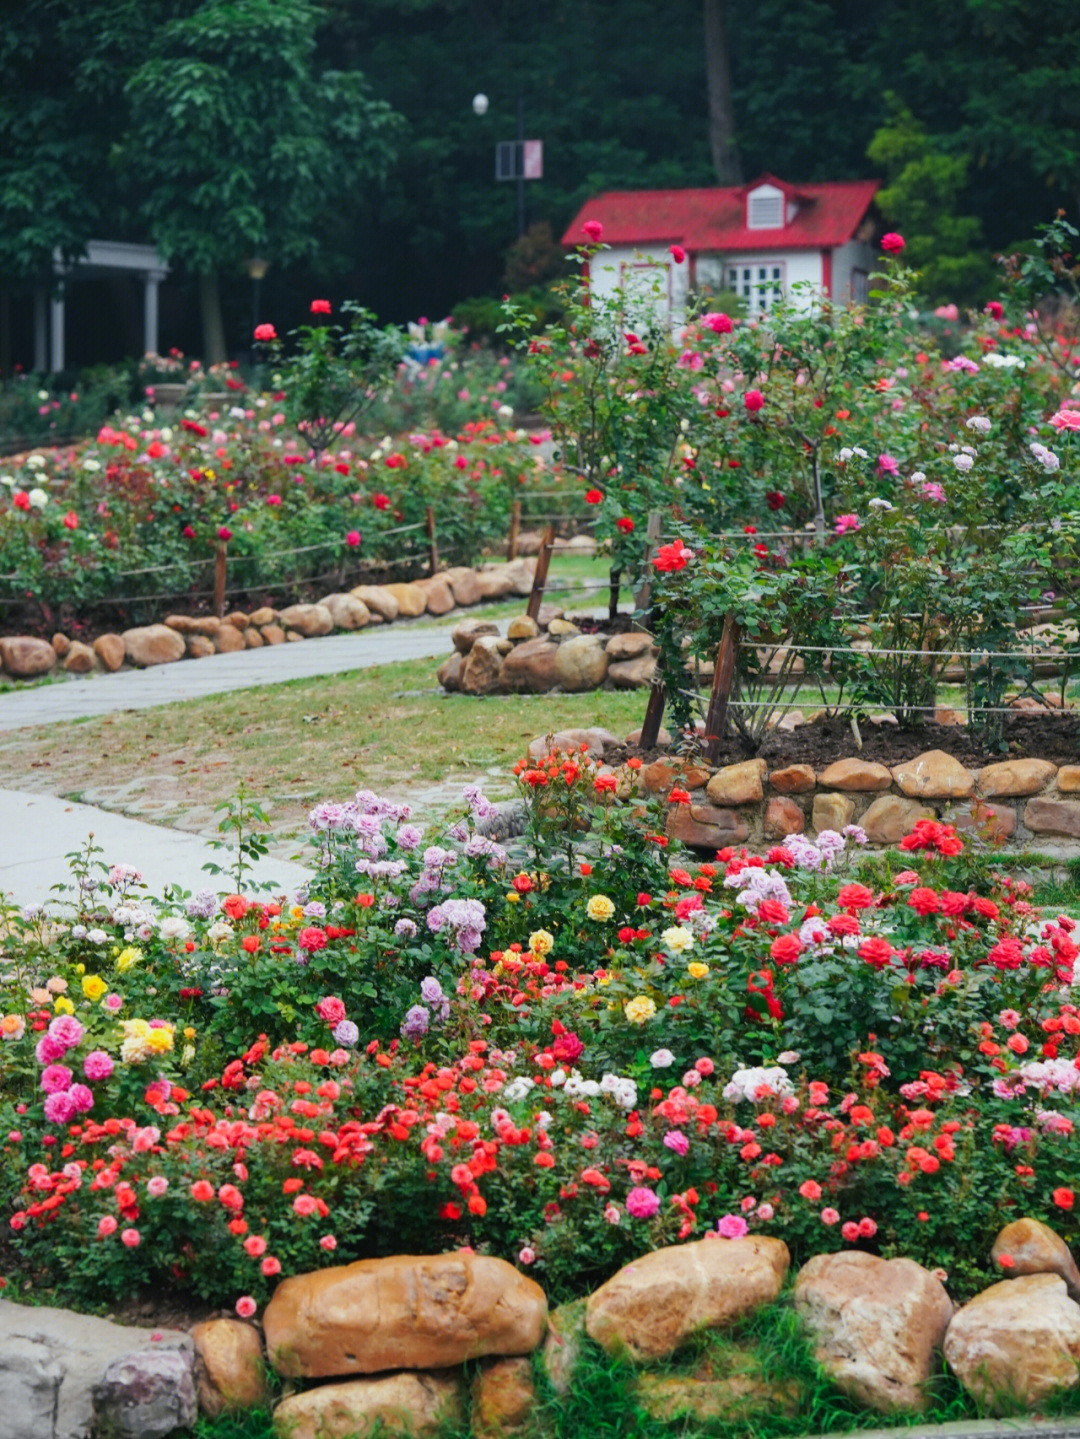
100 257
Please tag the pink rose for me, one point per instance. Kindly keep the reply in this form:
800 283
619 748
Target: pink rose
265 333
593 229
753 400
642 1203
678 254
892 243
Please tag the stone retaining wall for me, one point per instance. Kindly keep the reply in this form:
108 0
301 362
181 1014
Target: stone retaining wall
1023 803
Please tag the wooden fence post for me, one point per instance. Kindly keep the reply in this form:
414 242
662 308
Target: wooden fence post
219 578
543 559
723 680
654 713
433 549
515 526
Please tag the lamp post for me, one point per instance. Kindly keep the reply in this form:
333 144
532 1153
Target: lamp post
518 159
256 268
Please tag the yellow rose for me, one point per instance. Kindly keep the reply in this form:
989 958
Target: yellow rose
600 908
640 1009
697 970
512 897
93 987
541 942
63 1005
189 1033
80 969
678 939
160 1040
128 957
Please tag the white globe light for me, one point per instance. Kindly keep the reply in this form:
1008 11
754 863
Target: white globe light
480 104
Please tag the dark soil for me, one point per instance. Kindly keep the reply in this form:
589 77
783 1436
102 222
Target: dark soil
1050 736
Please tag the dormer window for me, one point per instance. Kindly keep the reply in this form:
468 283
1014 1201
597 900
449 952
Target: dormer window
765 208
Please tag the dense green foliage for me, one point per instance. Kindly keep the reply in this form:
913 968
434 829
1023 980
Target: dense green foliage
132 121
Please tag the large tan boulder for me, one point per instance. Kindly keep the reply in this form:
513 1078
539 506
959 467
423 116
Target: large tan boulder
469 631
1053 816
414 1404
464 584
875 1325
890 817
571 741
494 583
253 637
1017 1341
199 646
793 779
651 1307
580 664
438 595
503 1398
449 672
783 817
307 620
630 645
79 659
704 826
1031 1247
109 650
229 1369
1014 777
636 674
856 774
480 668
229 640
24 657
522 627
411 600
61 644
347 612
738 783
934 775
531 666
379 601
147 645
407 1312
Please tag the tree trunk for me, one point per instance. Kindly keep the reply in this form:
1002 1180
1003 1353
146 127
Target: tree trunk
725 152
213 328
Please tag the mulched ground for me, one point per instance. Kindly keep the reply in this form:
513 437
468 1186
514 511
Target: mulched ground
1051 736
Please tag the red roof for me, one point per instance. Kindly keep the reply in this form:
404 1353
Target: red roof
705 221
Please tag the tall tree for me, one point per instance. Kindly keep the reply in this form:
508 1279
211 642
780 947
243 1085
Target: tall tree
722 138
242 143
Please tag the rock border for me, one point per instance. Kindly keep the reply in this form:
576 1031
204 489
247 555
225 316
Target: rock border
179 636
877 1327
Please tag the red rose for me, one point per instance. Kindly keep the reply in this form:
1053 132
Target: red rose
320 307
265 333
892 243
625 525
594 497
753 400
593 229
774 499
678 254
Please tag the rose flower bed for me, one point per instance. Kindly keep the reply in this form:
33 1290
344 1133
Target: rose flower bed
566 1061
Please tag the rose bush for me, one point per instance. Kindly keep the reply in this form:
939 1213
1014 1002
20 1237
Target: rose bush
573 1055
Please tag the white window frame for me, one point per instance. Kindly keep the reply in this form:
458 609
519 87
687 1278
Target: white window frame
758 283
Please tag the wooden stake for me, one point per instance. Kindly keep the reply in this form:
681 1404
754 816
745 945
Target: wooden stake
652 534
723 680
219 578
515 526
433 549
614 586
654 713
543 559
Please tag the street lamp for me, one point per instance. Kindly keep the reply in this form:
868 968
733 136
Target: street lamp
518 159
256 268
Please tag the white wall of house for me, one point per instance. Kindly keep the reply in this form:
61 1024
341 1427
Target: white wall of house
851 263
648 277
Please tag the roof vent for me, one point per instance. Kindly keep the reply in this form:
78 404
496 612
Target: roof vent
765 210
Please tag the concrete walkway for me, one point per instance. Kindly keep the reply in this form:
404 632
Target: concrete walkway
100 694
39 831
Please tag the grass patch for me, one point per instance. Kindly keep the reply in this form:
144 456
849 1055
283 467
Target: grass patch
389 728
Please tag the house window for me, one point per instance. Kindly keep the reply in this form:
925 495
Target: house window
860 287
759 285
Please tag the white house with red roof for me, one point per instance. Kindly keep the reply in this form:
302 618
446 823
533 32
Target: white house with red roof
758 240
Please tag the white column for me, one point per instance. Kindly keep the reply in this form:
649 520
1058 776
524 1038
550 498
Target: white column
150 313
41 330
57 329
